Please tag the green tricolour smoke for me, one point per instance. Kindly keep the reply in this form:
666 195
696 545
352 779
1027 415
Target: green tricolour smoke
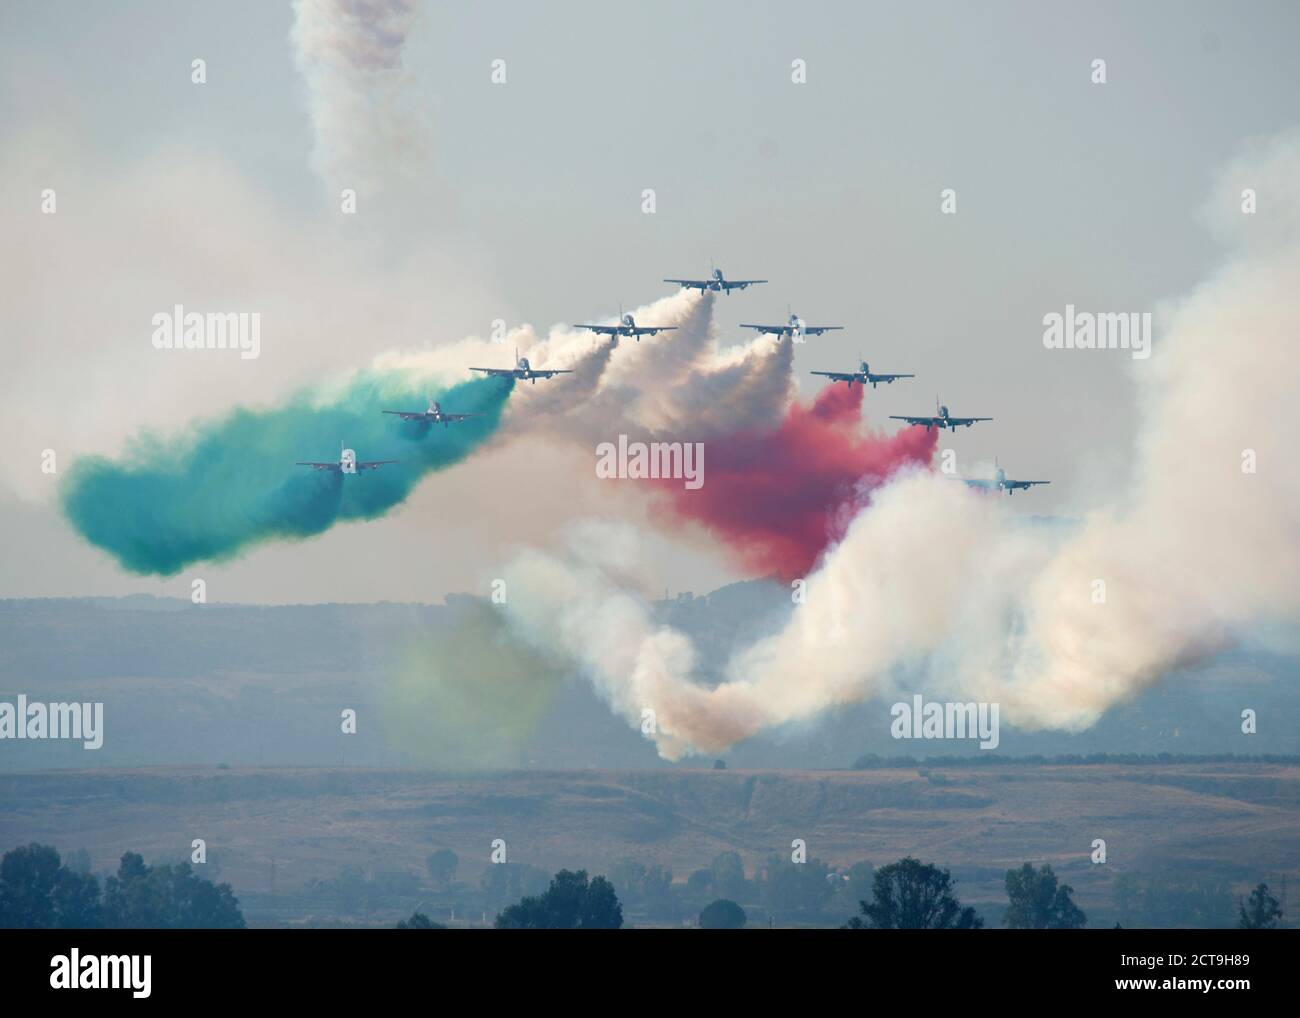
226 485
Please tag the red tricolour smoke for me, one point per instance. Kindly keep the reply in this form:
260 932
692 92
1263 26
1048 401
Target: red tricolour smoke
779 497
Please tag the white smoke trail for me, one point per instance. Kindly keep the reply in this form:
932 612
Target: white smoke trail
680 383
349 52
1200 552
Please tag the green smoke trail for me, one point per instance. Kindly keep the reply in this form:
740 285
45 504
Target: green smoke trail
467 693
229 484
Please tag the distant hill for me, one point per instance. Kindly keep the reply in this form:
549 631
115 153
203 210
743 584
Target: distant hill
275 831
248 685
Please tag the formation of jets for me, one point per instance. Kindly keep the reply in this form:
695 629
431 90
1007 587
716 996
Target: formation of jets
793 328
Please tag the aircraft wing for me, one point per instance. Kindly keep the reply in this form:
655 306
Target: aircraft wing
740 284
774 330
817 330
550 372
690 284
320 466
508 372
373 464
929 422
650 330
459 417
839 376
958 421
977 482
406 415
603 330
873 379
1023 484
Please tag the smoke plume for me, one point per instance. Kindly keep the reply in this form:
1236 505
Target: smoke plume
349 52
779 496
226 485
1200 549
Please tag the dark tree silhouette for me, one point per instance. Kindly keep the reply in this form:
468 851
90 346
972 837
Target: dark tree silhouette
167 898
76 901
911 895
442 866
28 878
1039 903
722 915
37 892
569 903
419 921
1260 911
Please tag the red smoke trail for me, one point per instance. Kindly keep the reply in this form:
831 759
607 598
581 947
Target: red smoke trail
778 498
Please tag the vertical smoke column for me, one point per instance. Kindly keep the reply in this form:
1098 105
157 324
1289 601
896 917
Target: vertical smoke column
371 134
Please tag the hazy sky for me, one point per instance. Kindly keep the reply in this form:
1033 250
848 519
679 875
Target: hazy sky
529 209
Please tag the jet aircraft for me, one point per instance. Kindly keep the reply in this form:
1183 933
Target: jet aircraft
347 463
434 415
523 371
627 326
942 419
716 282
794 328
863 376
1000 482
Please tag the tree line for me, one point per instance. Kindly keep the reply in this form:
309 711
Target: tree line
38 891
905 895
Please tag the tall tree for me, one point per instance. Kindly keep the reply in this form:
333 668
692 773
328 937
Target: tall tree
167 897
911 895
28 878
1261 911
571 902
1038 902
76 901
